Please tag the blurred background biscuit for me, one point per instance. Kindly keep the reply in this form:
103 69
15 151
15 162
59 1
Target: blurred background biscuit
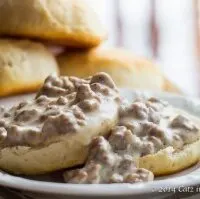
126 69
23 66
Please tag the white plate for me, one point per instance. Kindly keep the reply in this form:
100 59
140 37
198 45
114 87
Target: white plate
189 177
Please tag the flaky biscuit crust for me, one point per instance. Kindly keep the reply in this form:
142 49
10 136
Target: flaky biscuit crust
168 161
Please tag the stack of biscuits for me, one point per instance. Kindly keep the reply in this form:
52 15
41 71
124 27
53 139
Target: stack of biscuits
28 27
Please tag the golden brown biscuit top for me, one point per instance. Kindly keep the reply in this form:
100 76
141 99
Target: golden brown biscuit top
66 22
44 119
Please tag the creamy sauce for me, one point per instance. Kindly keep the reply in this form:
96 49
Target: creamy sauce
104 165
156 125
53 114
144 127
61 86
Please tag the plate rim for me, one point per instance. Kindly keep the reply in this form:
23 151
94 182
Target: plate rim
100 189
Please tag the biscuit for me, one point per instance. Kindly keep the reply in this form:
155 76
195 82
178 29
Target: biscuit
23 66
67 22
126 69
170 160
52 133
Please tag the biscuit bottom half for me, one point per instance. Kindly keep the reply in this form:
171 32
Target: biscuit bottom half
169 160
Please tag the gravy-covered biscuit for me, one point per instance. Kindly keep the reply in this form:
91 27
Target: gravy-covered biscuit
150 134
53 132
67 22
24 65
